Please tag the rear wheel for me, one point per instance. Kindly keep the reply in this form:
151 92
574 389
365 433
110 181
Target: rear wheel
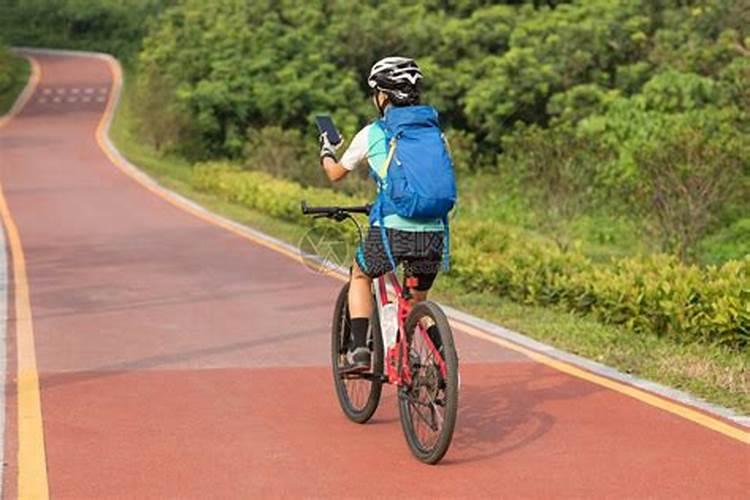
429 405
358 394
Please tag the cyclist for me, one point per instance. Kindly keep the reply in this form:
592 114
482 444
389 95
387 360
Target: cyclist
418 244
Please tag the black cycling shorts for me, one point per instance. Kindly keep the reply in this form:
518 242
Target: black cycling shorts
421 253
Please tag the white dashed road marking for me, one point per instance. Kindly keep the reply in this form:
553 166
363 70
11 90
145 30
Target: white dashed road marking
72 95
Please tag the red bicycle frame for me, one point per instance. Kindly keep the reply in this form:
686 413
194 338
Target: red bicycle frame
397 370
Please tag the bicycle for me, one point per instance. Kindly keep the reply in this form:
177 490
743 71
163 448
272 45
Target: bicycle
425 372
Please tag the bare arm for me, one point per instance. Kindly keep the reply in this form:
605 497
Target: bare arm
333 169
337 169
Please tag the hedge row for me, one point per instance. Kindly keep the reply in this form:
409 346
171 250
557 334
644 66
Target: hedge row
654 293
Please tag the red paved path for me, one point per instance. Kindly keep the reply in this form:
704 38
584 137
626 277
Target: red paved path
177 359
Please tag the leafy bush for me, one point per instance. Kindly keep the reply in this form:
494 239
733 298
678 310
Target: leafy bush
281 153
161 119
7 78
732 242
688 177
557 169
646 294
13 76
112 26
265 193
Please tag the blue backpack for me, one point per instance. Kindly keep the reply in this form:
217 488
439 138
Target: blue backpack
420 182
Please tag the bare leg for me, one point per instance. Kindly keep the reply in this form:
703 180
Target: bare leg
420 296
417 296
360 294
360 311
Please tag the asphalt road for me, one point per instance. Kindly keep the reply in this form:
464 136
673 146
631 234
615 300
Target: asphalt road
177 359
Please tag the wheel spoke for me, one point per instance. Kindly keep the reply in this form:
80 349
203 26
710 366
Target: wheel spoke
358 393
425 406
429 403
357 388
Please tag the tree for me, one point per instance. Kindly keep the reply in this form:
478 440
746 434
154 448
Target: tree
688 177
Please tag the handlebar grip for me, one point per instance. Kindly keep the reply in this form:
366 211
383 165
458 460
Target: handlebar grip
308 210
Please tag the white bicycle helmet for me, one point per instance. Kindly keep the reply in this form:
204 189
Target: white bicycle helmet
397 77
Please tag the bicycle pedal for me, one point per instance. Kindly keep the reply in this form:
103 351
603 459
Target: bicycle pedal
353 370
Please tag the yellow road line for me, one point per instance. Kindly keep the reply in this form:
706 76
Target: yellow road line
570 369
32 461
101 133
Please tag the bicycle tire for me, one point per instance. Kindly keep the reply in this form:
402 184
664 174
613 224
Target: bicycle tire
361 406
427 379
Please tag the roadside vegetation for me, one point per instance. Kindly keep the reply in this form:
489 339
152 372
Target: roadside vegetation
603 149
14 72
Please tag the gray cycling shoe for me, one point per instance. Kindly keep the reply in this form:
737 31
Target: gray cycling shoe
357 360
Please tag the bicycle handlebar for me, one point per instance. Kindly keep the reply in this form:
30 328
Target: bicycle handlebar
333 211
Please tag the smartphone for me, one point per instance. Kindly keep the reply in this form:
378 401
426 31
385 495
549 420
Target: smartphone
325 124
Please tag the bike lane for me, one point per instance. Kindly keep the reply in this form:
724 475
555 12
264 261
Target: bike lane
177 359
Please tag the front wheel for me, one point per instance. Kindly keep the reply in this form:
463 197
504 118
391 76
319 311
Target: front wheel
428 406
358 394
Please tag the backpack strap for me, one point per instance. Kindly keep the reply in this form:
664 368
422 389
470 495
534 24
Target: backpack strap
378 208
446 259
389 158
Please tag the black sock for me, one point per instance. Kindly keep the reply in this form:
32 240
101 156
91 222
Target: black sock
359 331
434 334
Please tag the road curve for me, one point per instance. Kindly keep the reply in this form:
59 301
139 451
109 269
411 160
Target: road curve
176 359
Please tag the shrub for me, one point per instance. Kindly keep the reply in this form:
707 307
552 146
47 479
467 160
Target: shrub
163 122
281 153
265 193
732 242
7 78
557 169
687 178
113 26
645 294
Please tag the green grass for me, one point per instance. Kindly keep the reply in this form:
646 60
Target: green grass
175 173
18 69
715 374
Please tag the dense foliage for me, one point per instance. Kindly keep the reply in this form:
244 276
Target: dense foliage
13 76
7 78
647 294
239 63
602 94
114 26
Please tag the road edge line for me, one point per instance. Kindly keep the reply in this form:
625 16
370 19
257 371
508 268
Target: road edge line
4 291
32 480
656 395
